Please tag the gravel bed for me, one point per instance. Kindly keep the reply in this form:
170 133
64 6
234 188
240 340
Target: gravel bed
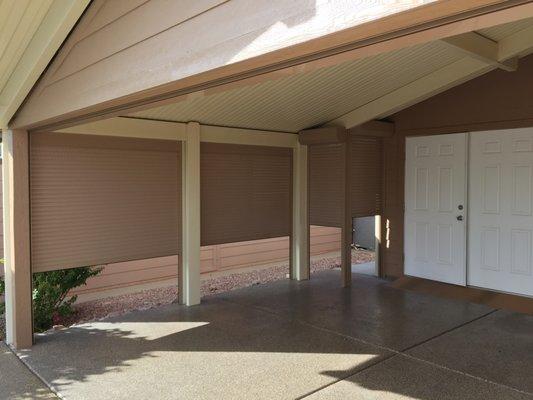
117 305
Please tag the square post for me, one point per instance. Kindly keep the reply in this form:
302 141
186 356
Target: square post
300 257
346 228
189 274
17 260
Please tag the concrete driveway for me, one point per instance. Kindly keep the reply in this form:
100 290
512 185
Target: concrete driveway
289 340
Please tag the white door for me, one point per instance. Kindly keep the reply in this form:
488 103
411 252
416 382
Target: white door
501 221
435 207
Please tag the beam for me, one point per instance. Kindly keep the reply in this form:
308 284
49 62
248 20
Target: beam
18 277
221 134
189 273
481 48
454 74
131 127
373 128
324 135
166 130
436 82
300 262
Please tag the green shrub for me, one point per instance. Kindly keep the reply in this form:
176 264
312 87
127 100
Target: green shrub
2 291
50 289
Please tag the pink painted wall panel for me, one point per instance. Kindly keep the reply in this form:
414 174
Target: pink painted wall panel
230 256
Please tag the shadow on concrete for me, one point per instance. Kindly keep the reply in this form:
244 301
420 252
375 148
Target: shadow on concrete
281 340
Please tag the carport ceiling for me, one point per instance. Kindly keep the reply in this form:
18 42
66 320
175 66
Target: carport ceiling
348 93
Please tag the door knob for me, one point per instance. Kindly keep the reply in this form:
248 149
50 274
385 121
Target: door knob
459 218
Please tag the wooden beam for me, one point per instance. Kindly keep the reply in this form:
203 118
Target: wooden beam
325 135
436 82
300 251
481 48
131 127
373 128
221 134
190 264
18 276
166 130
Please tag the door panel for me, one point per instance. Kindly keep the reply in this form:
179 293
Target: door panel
435 186
501 218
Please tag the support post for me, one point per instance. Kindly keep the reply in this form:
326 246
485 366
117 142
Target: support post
17 264
189 286
300 215
346 229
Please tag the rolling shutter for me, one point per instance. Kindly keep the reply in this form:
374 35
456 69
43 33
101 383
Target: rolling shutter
97 200
366 176
326 185
245 192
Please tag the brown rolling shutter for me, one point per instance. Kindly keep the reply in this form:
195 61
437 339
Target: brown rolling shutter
366 175
325 185
245 192
97 200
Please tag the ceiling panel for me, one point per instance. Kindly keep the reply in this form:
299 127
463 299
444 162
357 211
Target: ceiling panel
305 100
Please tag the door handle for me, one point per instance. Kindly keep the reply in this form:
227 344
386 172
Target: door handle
459 218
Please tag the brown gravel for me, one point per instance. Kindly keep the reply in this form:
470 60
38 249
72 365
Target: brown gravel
117 305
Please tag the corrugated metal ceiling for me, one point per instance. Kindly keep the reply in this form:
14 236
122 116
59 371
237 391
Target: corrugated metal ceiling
310 99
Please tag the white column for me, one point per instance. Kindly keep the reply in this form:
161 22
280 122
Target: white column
17 264
189 293
300 215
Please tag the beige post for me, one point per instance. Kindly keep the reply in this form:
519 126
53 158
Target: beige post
300 215
189 293
346 235
15 169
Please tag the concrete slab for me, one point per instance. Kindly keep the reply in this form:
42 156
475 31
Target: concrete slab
404 378
498 347
212 351
370 310
16 380
368 268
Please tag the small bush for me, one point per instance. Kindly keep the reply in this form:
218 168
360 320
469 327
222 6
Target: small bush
50 289
2 292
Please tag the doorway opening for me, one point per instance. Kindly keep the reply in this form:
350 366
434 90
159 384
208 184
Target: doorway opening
365 245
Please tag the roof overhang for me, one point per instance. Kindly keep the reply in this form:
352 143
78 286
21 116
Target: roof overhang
416 28
31 33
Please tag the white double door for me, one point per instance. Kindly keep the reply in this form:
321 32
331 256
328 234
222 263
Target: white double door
469 209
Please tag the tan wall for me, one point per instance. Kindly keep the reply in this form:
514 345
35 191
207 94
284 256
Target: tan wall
497 100
136 275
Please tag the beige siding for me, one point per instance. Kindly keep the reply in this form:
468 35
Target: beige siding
161 271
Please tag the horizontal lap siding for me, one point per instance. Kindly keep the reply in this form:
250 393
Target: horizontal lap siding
99 200
231 256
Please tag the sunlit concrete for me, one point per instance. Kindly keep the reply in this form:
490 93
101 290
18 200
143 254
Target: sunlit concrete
17 382
283 340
